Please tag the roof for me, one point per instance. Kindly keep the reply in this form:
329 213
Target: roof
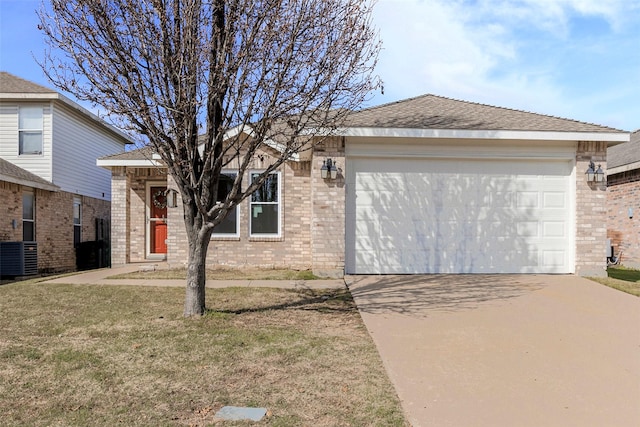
144 153
18 89
625 156
15 174
141 157
436 112
13 84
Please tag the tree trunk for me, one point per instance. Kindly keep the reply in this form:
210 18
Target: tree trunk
194 303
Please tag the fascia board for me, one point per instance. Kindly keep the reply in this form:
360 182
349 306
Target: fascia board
107 163
623 168
28 96
28 183
614 137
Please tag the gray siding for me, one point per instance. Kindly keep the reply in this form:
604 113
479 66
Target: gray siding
40 165
78 143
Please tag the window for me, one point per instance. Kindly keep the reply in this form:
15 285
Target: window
229 226
28 217
265 206
30 130
77 221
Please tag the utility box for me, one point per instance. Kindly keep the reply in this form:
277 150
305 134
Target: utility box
18 258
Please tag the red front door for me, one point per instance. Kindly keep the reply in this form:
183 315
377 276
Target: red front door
158 220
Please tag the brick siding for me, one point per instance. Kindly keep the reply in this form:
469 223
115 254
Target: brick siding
10 210
591 212
53 223
129 215
291 250
328 211
313 218
623 193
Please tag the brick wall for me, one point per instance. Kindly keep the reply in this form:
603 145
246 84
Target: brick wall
10 209
328 207
53 223
591 212
623 193
120 184
291 250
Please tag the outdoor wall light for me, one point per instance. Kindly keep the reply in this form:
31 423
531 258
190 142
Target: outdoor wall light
593 174
328 169
172 198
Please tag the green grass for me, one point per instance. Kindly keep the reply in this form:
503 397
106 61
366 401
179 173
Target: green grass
124 355
621 278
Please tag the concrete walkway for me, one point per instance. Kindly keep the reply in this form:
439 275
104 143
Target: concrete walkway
471 350
102 277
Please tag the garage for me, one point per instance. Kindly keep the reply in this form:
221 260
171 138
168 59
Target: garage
484 212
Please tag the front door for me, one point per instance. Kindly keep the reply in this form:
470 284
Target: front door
158 220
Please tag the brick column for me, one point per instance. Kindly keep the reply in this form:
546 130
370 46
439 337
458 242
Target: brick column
177 246
328 211
591 212
120 187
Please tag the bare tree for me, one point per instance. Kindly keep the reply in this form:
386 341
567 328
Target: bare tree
190 76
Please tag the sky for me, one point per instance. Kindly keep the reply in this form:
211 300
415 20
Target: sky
578 59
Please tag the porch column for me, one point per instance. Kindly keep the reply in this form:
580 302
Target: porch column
120 188
591 212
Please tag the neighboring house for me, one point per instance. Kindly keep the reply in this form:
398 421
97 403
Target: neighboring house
623 199
424 185
51 190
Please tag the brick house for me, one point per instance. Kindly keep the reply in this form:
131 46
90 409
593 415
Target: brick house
424 185
623 199
51 190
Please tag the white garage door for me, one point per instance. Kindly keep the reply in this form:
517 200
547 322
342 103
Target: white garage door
410 216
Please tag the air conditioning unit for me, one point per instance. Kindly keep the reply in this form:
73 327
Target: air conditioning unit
18 258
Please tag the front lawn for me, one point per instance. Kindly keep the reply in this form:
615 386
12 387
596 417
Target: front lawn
621 278
124 355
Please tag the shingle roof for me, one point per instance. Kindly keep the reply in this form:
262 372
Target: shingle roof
12 173
144 153
624 154
436 112
12 84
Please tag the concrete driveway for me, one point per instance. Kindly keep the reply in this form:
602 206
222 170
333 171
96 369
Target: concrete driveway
506 350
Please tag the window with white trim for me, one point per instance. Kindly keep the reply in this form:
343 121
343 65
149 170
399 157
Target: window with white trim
30 131
265 207
229 226
77 221
28 216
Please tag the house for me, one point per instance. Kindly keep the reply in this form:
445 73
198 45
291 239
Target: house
423 185
623 199
51 190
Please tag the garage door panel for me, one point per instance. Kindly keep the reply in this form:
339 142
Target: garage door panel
553 258
493 216
527 199
554 229
366 262
554 200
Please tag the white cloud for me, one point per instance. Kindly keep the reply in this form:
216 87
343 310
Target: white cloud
512 53
554 16
430 44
